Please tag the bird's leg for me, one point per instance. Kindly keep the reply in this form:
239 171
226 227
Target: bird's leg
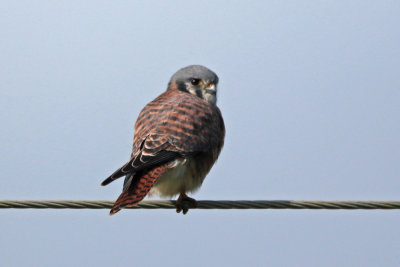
184 203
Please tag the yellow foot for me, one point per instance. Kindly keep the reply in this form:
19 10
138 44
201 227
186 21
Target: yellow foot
184 203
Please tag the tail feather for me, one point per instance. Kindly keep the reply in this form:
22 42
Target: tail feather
138 190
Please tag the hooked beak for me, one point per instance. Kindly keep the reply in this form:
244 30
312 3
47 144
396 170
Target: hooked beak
211 89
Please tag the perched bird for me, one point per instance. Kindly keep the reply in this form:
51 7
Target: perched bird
178 137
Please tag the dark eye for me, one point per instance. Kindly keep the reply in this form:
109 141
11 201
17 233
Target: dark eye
195 81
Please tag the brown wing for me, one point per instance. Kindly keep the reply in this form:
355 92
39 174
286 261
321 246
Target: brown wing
191 124
173 125
153 152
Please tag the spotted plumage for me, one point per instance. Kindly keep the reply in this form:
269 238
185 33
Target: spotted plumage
178 137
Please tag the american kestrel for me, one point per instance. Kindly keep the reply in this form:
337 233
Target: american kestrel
178 137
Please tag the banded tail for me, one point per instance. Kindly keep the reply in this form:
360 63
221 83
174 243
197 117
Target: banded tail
138 189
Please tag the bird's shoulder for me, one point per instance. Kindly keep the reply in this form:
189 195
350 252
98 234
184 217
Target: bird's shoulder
176 106
186 121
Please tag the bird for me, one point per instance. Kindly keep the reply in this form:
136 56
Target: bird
177 139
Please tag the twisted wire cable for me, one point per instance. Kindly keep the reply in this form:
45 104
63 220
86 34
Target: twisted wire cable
203 204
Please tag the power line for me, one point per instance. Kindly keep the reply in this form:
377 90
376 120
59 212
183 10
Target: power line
203 204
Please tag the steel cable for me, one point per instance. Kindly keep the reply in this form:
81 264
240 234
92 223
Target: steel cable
203 204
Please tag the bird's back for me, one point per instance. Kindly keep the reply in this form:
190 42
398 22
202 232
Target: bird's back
190 123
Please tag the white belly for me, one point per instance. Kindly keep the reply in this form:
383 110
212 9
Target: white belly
180 177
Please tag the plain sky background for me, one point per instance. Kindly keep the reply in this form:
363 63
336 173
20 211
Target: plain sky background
310 93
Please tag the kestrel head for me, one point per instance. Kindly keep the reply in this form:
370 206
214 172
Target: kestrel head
196 80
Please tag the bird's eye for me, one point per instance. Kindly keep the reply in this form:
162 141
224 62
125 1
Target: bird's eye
195 81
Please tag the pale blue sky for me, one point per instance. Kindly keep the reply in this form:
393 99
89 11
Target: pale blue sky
310 93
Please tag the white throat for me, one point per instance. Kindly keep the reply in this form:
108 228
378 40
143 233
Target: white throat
210 98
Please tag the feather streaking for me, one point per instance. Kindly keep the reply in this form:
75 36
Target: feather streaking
178 137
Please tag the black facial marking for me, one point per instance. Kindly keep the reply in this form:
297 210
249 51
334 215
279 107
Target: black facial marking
199 93
182 87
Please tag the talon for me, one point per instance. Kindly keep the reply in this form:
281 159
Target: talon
184 203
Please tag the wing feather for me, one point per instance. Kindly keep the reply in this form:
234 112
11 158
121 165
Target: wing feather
155 150
173 125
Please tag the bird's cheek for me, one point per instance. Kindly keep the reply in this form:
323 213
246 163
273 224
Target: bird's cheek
195 92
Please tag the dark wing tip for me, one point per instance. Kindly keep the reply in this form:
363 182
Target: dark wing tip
119 173
107 181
